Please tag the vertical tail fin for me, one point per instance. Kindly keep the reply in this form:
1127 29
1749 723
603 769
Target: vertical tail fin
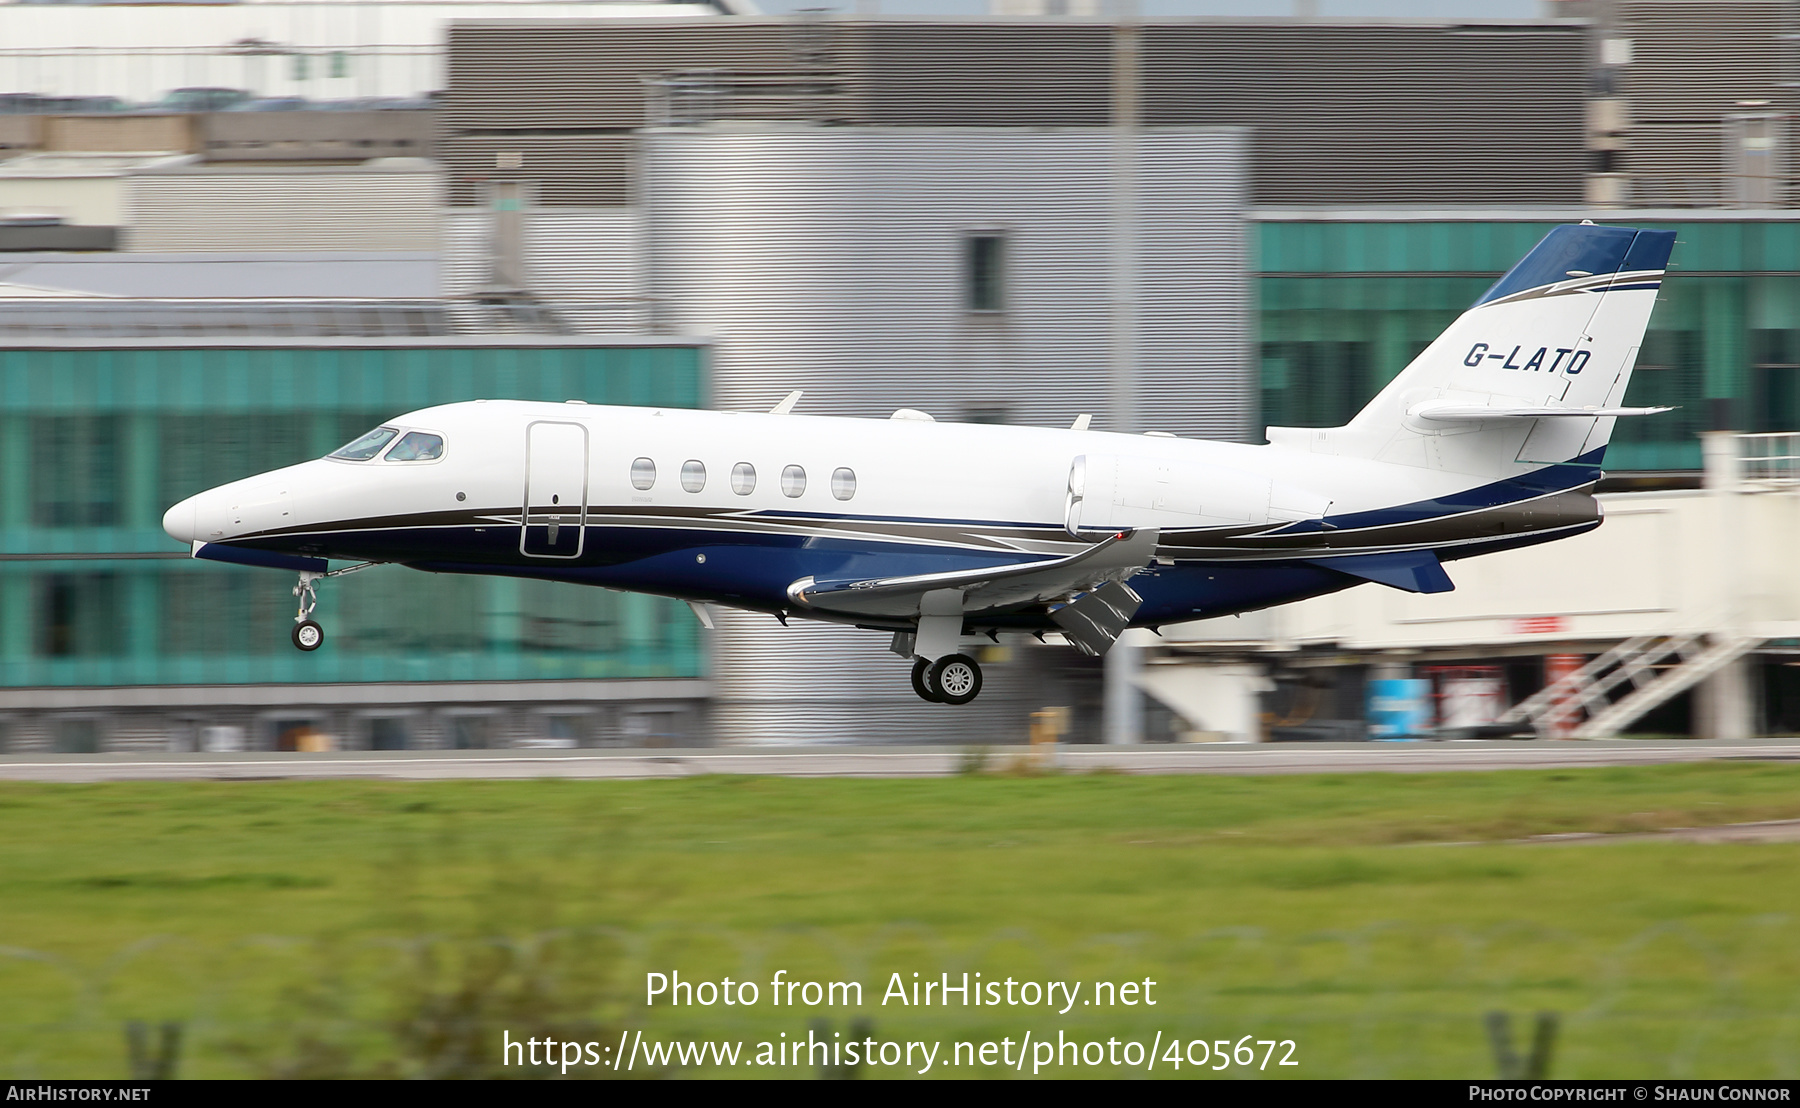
1547 351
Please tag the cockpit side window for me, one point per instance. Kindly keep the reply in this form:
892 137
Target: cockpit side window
417 446
367 446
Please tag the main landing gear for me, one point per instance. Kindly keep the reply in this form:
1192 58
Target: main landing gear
307 634
952 679
940 673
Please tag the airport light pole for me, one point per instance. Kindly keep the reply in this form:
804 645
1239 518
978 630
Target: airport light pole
1124 706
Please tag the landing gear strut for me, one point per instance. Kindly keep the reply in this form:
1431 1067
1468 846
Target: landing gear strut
307 634
940 674
952 679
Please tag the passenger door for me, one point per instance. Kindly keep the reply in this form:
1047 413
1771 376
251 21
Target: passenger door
554 521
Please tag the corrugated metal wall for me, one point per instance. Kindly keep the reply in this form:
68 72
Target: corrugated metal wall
574 168
1384 114
1437 114
566 95
1195 373
1693 62
585 264
830 260
584 76
354 209
999 75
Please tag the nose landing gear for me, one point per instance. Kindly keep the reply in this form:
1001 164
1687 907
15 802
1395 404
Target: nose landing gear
307 634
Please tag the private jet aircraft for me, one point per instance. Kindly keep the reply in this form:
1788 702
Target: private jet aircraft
1491 438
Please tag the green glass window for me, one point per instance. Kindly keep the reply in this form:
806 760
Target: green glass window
1344 305
75 470
99 443
76 615
202 451
1775 379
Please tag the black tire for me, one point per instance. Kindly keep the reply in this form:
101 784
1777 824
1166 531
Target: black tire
955 678
308 635
921 684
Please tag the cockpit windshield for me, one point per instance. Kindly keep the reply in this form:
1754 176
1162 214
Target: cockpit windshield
417 446
366 447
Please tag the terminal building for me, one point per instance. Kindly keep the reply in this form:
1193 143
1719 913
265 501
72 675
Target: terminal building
112 639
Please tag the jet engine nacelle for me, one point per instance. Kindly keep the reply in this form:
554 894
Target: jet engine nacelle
1111 491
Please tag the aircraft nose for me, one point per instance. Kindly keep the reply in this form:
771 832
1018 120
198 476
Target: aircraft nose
181 521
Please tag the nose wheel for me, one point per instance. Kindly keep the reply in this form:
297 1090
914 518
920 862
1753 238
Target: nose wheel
308 635
953 679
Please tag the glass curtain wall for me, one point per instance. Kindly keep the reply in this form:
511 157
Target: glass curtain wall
1345 305
96 443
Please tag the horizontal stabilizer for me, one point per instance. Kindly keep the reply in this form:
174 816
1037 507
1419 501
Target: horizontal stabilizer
1410 571
1476 413
268 559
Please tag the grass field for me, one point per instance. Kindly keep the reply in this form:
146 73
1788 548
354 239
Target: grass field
317 927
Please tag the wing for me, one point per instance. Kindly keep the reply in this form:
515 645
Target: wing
1113 559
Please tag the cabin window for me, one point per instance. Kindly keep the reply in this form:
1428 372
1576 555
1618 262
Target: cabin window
366 447
693 475
643 474
793 481
743 478
843 483
417 446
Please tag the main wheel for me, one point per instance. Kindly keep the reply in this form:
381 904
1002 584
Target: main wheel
921 684
308 635
956 679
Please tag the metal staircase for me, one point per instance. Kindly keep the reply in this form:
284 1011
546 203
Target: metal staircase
1649 670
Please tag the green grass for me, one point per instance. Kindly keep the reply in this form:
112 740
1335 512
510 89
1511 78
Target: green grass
303 927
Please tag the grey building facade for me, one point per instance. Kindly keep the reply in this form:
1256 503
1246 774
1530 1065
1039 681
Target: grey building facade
1340 112
965 272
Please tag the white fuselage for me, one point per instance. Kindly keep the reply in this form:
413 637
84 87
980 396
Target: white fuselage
829 496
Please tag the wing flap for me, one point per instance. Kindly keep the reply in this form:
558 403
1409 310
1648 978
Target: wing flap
1113 558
